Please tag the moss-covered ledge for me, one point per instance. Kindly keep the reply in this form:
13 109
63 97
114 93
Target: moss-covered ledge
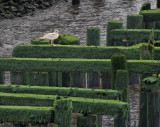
72 65
72 51
151 15
61 91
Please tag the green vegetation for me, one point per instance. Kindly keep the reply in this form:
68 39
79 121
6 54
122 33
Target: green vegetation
2 79
146 6
118 62
17 77
40 41
82 65
93 36
151 15
38 79
150 84
110 26
150 102
150 80
63 112
61 107
134 21
122 83
133 36
146 52
67 39
26 114
99 106
22 99
80 105
157 24
77 79
88 121
156 52
49 65
65 51
62 91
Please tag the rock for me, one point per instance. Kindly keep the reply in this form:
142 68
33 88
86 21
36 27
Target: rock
1 10
19 14
14 9
39 2
1 44
8 16
41 6
22 10
10 3
16 1
11 8
32 8
6 8
47 4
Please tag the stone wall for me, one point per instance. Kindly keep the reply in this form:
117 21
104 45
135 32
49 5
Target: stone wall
14 8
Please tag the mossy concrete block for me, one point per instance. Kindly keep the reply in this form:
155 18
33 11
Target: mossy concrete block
93 36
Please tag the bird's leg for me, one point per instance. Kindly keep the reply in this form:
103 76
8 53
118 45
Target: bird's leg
50 42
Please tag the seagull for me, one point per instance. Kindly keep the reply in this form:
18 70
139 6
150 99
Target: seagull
51 36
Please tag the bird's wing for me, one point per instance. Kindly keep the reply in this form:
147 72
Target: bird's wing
50 36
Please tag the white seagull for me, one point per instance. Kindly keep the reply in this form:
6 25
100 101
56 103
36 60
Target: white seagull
51 36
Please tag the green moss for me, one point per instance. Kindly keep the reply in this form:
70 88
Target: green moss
145 6
157 24
26 114
60 65
63 112
118 62
82 65
134 21
67 39
150 80
77 79
62 91
88 121
22 99
151 11
93 36
38 78
40 41
17 78
157 43
133 35
2 77
151 15
80 105
53 78
62 51
93 80
110 26
146 51
150 84
156 52
149 103
144 66
122 83
98 106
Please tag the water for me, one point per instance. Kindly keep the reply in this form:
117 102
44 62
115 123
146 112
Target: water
67 19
